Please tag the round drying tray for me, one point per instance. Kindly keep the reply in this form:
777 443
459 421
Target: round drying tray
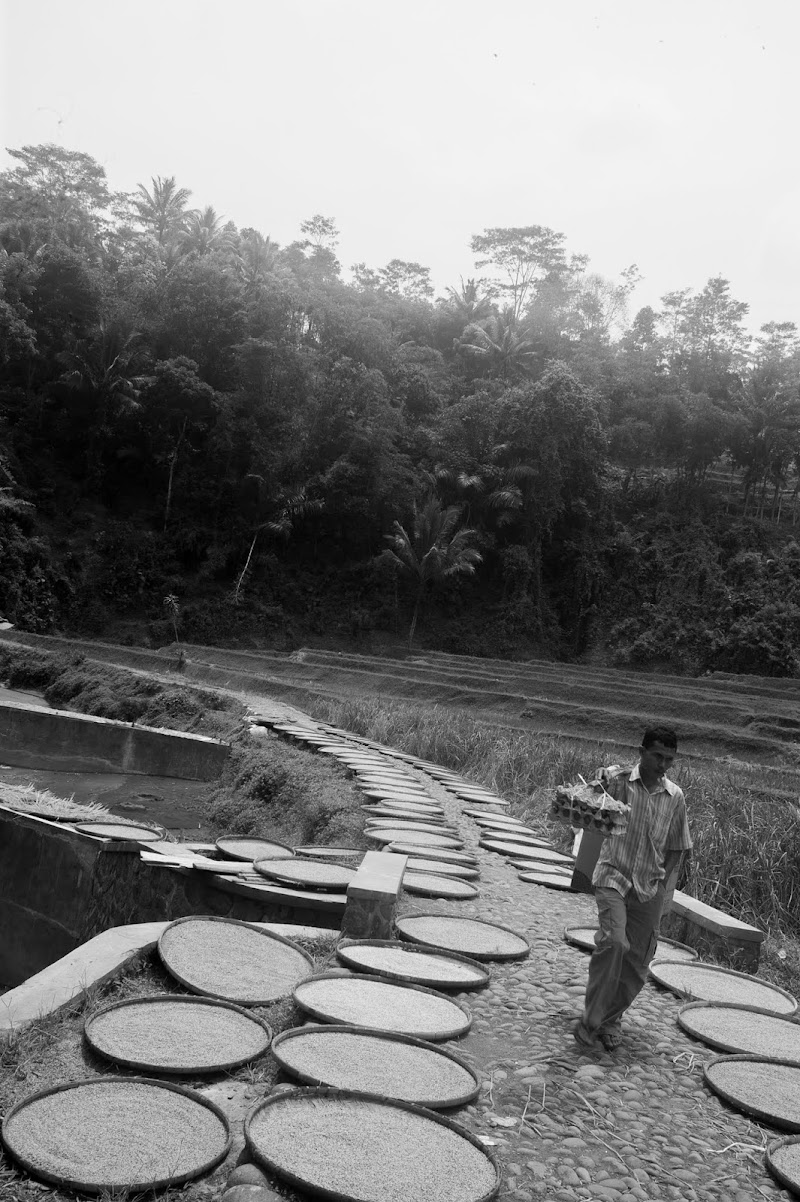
531 864
360 1000
121 830
411 823
116 1133
407 962
380 1062
307 874
401 814
428 884
742 1029
172 1033
550 880
240 847
472 812
231 960
309 1137
519 847
471 936
666 949
330 853
450 854
397 834
783 1161
442 867
394 794
767 1090
708 983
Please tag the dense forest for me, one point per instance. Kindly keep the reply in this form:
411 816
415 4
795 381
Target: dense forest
204 433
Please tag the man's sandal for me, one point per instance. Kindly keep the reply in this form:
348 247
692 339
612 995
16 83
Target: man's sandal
584 1037
611 1039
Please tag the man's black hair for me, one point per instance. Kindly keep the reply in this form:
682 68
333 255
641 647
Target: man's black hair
660 734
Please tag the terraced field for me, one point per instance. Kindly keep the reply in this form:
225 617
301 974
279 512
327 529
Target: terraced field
738 719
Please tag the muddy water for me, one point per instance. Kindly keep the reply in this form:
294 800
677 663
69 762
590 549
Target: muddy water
178 805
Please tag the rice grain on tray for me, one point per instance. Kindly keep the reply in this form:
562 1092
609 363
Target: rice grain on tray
347 1060
710 984
115 1134
366 1151
467 935
421 966
366 1003
232 961
176 1034
743 1030
753 1085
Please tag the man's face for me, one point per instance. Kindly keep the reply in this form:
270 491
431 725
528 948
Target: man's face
656 759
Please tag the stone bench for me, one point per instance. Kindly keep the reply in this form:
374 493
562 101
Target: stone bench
706 928
372 896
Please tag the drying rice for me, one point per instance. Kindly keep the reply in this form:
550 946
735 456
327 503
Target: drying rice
116 1134
784 1158
760 1086
232 961
350 1060
427 884
307 872
709 984
120 829
176 1035
550 880
468 935
426 968
361 1002
449 854
368 1151
253 849
419 864
735 1030
395 834
518 847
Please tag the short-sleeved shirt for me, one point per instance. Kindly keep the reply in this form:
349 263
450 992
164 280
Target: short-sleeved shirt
657 824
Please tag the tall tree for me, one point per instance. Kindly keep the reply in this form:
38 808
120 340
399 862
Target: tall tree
518 257
163 209
435 550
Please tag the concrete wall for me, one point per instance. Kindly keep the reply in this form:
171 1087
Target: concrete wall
34 737
59 887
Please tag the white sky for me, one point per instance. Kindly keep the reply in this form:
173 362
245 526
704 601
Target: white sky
660 133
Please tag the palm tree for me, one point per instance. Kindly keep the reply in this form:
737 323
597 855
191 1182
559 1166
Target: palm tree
164 209
255 259
467 304
435 551
204 231
498 342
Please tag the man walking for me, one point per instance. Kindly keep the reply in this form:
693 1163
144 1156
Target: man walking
630 883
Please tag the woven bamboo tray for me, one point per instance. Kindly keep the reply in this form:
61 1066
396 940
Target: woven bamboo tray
380 1062
471 936
330 853
172 1033
666 949
783 1161
742 1030
225 958
399 834
549 880
451 855
442 868
418 966
405 1152
709 983
308 874
116 1133
241 847
764 1089
120 830
428 884
373 1002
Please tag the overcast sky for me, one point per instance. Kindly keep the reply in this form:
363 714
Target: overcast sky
662 134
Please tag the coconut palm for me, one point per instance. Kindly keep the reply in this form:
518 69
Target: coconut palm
163 210
499 344
204 231
434 551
